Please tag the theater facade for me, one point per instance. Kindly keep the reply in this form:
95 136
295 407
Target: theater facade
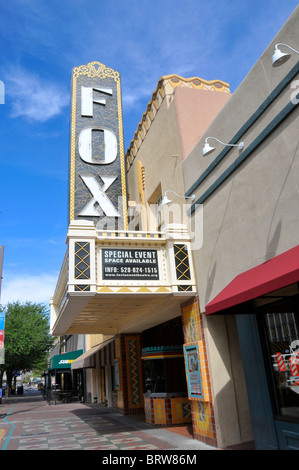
121 284
182 267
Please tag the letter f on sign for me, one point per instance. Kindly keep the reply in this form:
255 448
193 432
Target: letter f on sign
99 197
87 99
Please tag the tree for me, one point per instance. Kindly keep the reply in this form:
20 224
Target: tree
27 341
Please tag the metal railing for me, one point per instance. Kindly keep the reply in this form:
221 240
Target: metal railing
58 397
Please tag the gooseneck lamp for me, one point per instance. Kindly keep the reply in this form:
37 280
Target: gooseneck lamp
207 148
280 57
166 200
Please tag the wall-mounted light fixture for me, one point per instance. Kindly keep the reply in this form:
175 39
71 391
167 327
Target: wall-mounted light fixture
280 57
165 199
208 149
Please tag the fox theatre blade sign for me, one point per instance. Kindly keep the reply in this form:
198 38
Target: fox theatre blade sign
97 169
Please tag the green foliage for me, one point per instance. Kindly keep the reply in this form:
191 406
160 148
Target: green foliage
27 341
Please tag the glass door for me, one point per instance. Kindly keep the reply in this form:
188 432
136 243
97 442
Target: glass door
280 341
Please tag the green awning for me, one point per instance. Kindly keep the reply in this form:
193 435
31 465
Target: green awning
64 361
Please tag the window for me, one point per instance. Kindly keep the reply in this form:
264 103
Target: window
281 327
159 213
156 222
165 375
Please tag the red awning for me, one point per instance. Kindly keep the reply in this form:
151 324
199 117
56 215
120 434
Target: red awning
274 274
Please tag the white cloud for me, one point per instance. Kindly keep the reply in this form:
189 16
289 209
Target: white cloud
133 96
31 288
33 97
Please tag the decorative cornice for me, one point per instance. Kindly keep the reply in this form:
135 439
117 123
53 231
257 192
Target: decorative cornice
166 86
96 69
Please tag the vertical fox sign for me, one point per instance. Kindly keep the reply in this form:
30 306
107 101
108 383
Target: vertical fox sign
97 168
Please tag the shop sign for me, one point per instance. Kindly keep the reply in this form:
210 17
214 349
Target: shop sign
2 320
64 361
126 264
97 169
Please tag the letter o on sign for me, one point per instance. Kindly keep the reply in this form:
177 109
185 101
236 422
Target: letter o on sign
85 146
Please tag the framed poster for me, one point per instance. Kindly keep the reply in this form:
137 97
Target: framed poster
116 374
193 372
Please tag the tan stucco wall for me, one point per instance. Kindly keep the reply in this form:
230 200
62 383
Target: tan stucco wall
196 109
161 157
180 121
253 215
250 218
94 340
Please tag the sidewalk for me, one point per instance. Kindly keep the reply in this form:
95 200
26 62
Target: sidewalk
27 422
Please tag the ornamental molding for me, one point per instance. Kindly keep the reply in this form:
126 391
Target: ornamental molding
96 69
165 88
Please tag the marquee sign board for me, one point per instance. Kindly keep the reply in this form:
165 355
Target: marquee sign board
127 264
97 169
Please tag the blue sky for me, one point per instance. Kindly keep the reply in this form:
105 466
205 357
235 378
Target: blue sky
40 42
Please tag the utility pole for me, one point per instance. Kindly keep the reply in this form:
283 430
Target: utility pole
1 266
2 326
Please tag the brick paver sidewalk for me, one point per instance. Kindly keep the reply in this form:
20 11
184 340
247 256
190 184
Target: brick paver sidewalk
27 422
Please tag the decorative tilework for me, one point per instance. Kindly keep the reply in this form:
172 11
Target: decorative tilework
181 262
184 288
83 287
180 410
191 322
167 411
131 372
160 411
203 421
82 260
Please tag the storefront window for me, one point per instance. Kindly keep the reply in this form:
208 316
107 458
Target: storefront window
155 376
281 321
165 375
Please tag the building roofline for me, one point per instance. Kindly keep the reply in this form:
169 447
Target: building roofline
166 87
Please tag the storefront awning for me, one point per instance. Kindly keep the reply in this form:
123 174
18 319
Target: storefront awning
64 361
85 360
272 275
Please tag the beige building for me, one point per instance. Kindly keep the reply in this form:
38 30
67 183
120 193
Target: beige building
248 266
